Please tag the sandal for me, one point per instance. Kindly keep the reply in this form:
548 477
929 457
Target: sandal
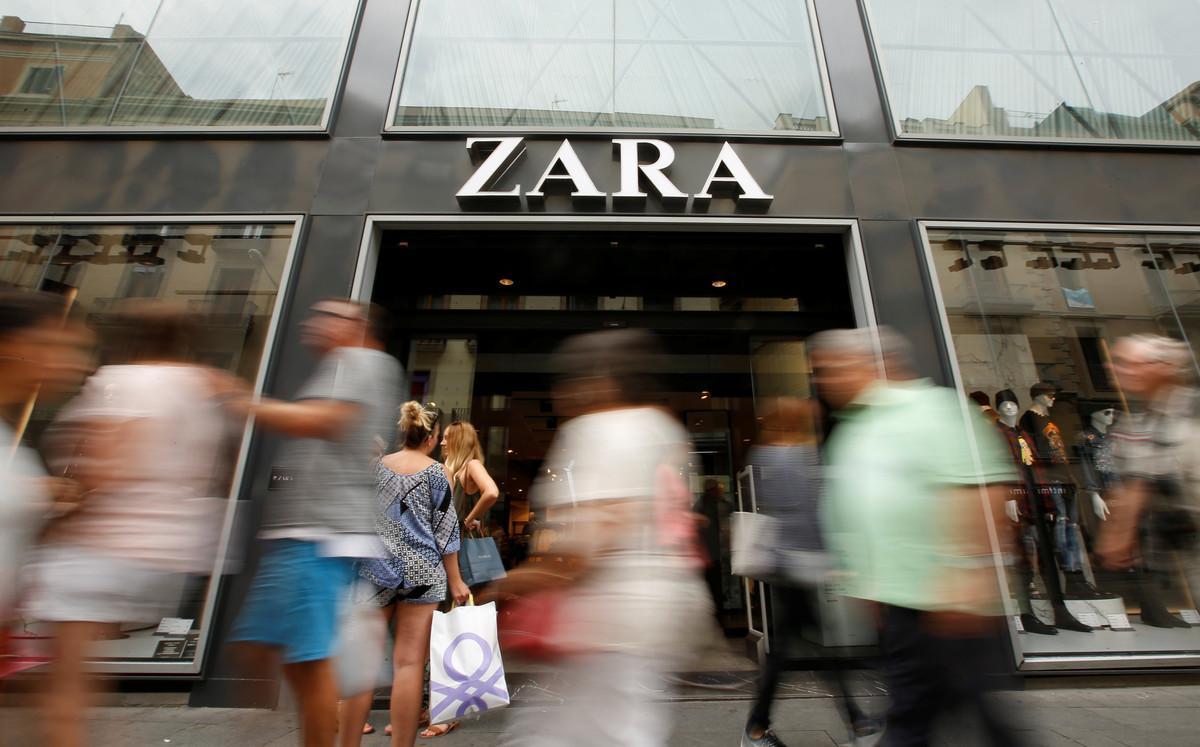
439 730
368 729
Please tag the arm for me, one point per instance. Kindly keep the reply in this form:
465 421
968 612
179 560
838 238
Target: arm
449 539
459 591
489 493
311 418
1118 535
971 588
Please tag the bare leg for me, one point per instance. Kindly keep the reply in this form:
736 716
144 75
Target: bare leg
316 696
259 665
413 622
69 692
354 714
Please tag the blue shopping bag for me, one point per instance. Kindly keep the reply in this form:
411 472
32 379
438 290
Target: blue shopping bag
479 561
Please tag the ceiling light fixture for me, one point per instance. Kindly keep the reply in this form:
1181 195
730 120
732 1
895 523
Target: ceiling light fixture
705 394
719 283
507 282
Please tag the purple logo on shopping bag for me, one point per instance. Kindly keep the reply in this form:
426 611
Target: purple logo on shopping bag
472 688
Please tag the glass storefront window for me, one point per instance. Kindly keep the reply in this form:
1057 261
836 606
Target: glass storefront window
1046 69
1033 317
661 64
229 273
171 64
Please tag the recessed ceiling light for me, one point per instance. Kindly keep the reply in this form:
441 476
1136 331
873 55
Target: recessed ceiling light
719 283
507 281
705 394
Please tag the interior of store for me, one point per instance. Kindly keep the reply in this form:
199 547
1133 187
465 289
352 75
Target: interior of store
731 311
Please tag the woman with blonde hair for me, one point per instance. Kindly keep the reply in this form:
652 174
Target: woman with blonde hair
475 492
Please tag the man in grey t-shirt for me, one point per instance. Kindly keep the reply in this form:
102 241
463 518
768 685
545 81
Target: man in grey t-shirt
343 419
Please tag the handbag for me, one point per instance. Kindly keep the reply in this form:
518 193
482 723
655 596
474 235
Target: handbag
479 561
361 647
466 672
527 626
755 536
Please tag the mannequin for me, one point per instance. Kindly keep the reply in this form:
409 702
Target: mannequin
1096 460
1053 461
1032 510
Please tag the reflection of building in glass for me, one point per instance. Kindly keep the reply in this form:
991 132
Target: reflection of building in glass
1177 118
463 116
55 75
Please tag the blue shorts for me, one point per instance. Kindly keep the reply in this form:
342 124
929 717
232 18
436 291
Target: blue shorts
295 601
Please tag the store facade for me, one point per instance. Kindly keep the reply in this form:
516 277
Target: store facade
500 175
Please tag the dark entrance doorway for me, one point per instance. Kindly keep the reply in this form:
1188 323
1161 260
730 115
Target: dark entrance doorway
478 313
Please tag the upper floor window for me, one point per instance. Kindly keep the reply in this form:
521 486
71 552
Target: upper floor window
1079 70
170 64
720 65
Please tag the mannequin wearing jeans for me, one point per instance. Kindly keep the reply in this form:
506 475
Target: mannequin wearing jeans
1034 519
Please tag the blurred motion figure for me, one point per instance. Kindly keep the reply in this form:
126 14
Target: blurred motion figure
143 440
342 420
632 601
910 476
787 473
37 356
1156 450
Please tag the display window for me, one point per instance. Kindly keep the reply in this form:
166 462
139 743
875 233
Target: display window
230 273
1032 315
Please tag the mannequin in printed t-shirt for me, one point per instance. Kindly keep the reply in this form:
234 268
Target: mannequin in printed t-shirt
1032 511
1053 462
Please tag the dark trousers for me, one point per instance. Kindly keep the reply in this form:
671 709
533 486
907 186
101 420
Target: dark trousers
929 676
794 608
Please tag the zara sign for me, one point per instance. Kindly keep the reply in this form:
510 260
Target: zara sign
643 169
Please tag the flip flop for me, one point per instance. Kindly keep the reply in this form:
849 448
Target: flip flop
429 732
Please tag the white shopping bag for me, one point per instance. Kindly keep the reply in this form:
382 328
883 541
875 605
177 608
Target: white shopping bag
752 551
466 674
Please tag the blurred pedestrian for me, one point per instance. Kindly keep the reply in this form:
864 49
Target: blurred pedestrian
323 521
912 472
1156 503
143 439
787 477
37 356
419 570
631 604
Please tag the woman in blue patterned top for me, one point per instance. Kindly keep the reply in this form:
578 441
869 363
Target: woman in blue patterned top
419 529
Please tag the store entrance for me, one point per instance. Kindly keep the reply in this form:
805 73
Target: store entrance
476 315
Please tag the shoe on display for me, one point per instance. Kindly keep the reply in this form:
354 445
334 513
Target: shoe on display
768 739
1078 587
1162 619
1064 620
1032 624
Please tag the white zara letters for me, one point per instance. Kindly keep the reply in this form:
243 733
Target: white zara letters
643 165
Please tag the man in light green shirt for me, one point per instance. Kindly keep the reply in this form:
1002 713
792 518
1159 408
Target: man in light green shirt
912 472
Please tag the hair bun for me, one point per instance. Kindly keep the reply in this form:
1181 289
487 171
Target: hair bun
411 414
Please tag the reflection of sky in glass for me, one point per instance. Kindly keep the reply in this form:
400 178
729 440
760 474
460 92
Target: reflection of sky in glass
217 49
1126 56
735 63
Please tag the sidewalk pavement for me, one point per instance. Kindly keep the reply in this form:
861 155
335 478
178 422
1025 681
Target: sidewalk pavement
1162 716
